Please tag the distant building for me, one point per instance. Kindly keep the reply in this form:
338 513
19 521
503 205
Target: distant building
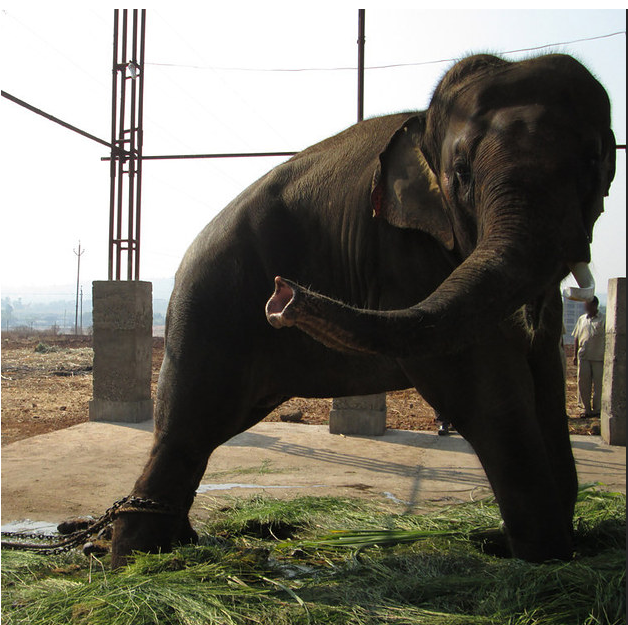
571 311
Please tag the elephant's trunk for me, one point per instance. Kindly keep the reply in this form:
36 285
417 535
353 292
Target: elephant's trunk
482 291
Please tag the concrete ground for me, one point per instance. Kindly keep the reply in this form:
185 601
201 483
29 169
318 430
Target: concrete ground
81 470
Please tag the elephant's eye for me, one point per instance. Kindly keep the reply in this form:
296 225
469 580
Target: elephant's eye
462 172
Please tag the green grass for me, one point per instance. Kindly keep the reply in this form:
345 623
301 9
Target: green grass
269 561
265 468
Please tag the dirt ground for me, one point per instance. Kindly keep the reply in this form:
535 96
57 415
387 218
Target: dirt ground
47 384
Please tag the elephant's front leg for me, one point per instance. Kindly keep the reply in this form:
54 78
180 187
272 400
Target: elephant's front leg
511 450
488 393
549 387
169 478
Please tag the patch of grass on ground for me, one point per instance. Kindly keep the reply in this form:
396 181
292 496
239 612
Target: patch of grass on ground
268 561
265 468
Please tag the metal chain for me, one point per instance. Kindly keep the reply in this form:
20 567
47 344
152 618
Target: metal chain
129 504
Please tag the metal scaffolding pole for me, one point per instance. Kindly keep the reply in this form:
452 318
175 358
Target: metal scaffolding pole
126 141
361 41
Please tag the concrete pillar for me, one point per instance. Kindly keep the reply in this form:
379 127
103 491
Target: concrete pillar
123 341
364 415
614 381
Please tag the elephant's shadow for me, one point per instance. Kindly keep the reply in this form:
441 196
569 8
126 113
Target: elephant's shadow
420 440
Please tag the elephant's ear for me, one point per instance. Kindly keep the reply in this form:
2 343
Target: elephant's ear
404 191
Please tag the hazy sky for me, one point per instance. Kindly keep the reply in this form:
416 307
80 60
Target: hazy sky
199 99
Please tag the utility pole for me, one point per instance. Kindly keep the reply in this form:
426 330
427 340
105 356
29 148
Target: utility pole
81 311
78 277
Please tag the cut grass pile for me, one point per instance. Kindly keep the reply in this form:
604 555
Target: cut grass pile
268 561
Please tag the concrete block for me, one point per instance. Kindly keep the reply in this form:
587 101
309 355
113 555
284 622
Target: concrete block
122 338
120 411
358 415
613 418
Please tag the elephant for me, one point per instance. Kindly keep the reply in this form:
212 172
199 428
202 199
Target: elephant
419 249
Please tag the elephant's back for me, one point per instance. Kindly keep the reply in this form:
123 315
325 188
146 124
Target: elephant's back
331 169
303 220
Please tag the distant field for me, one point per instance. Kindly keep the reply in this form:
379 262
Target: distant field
49 389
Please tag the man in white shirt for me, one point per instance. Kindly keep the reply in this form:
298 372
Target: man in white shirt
590 335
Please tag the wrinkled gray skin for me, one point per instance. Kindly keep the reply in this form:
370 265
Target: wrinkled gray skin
432 245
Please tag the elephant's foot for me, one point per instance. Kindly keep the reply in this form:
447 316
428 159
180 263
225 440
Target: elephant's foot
185 534
497 543
145 532
556 547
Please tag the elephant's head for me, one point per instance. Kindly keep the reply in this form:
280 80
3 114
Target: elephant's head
508 168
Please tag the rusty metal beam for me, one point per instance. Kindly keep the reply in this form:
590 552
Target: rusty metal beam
54 119
361 42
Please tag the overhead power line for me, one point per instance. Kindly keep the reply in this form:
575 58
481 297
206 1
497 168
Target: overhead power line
372 67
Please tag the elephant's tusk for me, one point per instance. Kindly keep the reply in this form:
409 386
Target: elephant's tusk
582 274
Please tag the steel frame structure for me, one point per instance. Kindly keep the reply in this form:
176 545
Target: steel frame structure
125 196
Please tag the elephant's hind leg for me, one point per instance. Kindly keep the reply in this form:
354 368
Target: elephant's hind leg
189 426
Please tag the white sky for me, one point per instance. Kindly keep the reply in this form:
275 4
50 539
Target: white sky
55 189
